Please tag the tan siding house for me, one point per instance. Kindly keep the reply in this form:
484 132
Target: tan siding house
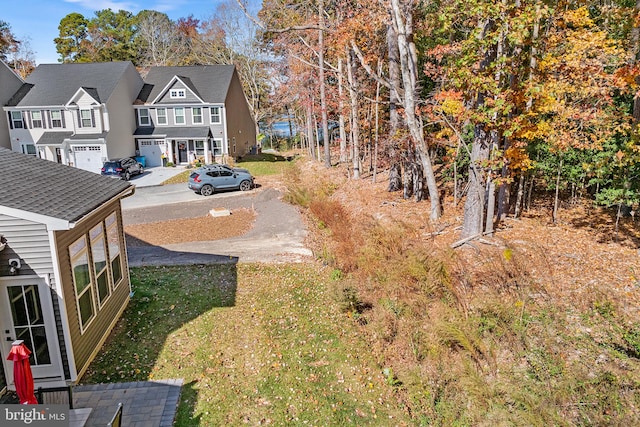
64 277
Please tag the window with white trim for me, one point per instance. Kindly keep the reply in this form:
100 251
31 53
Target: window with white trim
16 119
86 119
215 114
29 149
56 119
79 255
161 113
113 244
178 93
99 256
196 112
178 115
36 119
143 117
199 147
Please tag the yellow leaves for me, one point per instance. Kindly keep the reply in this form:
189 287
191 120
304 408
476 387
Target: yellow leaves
518 160
578 18
450 102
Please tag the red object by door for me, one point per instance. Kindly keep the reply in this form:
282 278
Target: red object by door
22 378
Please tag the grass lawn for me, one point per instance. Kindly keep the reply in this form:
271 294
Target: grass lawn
255 344
264 164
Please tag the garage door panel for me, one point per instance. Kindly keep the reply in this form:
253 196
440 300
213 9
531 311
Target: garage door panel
152 151
88 157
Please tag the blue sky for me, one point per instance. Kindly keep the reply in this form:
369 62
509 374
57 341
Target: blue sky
38 20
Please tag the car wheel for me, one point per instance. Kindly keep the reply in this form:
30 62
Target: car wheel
127 176
141 171
206 190
245 185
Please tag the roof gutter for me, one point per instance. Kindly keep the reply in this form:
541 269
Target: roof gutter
129 191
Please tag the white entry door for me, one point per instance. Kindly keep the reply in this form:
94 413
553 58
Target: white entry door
26 313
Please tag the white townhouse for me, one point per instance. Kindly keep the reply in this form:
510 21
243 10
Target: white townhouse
78 114
193 113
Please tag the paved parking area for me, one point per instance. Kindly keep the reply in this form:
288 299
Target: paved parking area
155 176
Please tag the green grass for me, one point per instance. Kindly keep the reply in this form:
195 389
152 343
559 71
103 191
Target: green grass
264 164
254 344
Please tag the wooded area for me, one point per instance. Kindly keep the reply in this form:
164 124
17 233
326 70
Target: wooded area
484 100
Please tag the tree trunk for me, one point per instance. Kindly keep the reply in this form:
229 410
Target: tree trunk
355 127
403 26
557 195
343 134
323 97
395 169
519 197
474 203
395 177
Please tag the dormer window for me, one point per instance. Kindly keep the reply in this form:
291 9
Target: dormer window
143 117
178 93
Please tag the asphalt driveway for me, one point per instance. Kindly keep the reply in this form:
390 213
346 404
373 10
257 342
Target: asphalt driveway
277 236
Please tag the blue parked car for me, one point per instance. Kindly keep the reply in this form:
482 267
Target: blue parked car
208 179
122 168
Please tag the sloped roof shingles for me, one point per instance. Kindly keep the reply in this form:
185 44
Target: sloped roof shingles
47 188
210 82
55 84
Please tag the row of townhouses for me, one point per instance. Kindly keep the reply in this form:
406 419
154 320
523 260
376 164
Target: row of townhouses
84 114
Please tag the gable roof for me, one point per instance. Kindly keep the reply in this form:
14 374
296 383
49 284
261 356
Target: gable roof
209 82
56 84
52 193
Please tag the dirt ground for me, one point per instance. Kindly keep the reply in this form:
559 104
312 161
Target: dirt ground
199 229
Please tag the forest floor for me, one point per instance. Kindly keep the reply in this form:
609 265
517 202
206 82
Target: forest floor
577 259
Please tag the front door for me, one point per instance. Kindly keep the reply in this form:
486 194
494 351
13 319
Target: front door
26 314
182 152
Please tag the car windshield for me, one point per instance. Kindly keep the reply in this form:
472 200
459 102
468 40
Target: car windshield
111 164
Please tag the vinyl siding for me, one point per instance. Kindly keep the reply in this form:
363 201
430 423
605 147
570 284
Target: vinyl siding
240 123
28 241
86 344
189 98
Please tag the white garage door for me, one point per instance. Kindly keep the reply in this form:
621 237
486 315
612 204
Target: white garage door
152 150
88 157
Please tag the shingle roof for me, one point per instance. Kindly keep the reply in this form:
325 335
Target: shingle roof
55 84
211 81
47 188
53 138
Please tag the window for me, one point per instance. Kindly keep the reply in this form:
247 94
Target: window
82 280
113 240
143 117
178 113
197 114
216 147
86 119
162 116
199 147
56 119
16 119
36 119
29 149
177 93
215 114
99 255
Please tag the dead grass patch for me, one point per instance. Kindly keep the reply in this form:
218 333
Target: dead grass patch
198 229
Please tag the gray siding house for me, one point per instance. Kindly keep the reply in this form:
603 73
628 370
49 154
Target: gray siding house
193 113
9 85
64 277
75 114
